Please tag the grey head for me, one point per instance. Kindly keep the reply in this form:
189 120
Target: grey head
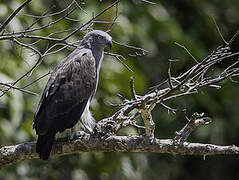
97 39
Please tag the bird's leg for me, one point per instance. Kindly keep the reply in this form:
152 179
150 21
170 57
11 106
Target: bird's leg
73 130
74 133
87 123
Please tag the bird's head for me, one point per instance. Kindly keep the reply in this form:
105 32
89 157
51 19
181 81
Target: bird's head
98 39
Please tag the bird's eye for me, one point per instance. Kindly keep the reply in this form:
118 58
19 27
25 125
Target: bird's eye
100 37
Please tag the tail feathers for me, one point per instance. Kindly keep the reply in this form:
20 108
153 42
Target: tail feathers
44 145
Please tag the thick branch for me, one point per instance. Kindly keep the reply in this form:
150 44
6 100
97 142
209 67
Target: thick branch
87 143
148 120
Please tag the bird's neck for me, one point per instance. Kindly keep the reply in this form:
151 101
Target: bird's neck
98 55
97 51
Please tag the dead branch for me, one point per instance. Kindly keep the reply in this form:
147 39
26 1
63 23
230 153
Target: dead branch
195 121
86 143
8 20
25 37
104 138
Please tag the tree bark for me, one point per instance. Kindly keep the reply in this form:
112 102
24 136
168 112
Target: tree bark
89 143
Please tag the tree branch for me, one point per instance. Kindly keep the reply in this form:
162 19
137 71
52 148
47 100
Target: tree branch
24 39
8 20
195 121
86 143
104 138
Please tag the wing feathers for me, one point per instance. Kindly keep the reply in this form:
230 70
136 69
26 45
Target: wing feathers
71 84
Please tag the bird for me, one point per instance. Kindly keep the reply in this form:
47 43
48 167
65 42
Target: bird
69 91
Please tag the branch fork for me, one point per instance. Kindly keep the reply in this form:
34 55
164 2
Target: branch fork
148 120
196 120
104 138
145 111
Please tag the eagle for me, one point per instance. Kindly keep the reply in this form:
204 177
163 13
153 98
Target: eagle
69 91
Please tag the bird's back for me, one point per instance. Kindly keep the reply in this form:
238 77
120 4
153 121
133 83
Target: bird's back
66 94
70 86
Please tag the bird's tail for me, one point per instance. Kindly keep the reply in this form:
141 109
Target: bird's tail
44 145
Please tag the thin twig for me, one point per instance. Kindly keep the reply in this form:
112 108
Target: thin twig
187 51
233 38
19 89
38 19
90 21
133 93
149 2
115 18
119 57
218 30
169 76
8 20
33 82
131 47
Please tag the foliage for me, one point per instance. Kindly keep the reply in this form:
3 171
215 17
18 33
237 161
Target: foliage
152 27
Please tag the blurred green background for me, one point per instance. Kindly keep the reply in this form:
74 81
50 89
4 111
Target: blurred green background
154 28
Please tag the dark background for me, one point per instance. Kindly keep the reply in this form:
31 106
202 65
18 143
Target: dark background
152 27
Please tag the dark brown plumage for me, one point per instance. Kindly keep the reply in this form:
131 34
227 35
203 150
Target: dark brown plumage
68 92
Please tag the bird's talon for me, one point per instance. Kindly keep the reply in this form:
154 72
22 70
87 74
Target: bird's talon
76 135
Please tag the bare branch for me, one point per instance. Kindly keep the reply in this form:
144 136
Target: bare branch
169 76
187 51
28 46
9 37
8 20
38 19
218 30
118 58
104 138
233 38
170 109
133 93
90 21
148 120
18 36
115 18
44 75
19 89
133 47
149 2
195 121
21 77
26 151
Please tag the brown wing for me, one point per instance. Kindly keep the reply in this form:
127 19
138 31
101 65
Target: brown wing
67 92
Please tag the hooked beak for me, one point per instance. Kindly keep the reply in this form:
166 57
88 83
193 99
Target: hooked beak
109 44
